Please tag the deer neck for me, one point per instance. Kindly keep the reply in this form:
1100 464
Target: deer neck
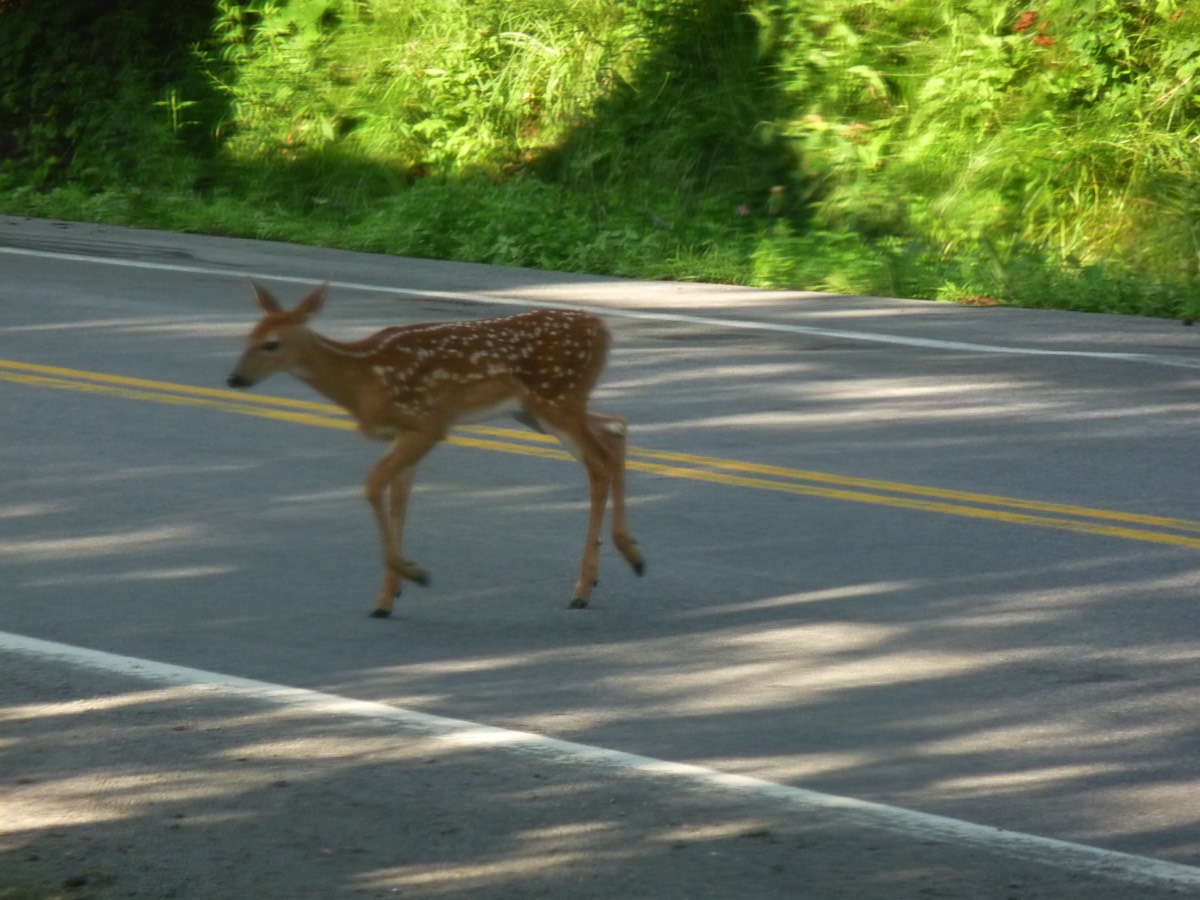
330 369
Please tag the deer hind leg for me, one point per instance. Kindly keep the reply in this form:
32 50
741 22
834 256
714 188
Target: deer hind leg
578 437
611 431
599 472
398 492
387 490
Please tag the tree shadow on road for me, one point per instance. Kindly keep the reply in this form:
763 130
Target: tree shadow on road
1026 677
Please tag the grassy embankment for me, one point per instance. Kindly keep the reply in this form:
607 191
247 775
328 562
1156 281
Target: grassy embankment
1037 153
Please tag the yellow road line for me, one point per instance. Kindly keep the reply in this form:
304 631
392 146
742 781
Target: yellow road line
939 493
671 464
169 387
953 509
229 403
895 487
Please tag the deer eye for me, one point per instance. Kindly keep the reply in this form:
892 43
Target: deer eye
270 346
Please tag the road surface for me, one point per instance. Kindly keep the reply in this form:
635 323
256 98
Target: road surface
919 617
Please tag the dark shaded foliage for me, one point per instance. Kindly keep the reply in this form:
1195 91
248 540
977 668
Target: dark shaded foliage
80 80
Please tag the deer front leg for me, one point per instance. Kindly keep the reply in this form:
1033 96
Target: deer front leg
389 484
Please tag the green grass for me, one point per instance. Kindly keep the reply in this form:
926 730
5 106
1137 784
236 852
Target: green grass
943 150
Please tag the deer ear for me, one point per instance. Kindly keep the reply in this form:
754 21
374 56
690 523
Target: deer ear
311 305
265 299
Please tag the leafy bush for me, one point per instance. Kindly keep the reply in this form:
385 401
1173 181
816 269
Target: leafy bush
1068 131
86 91
428 86
1038 154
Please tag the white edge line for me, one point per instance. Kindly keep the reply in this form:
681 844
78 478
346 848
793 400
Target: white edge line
1079 858
686 318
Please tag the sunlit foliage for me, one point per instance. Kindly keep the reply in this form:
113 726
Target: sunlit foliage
1044 152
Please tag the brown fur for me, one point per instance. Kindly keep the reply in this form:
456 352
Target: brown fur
410 385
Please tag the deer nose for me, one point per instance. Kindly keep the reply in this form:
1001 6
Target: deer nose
237 381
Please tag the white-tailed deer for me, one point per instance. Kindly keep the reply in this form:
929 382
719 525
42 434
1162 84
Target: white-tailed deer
410 384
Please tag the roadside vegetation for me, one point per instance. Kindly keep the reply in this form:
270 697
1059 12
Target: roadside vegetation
1041 153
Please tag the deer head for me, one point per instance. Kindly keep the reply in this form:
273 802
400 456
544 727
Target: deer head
274 344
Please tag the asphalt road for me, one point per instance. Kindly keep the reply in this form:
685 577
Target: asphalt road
939 559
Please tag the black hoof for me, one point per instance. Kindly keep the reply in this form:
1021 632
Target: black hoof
381 613
578 603
639 568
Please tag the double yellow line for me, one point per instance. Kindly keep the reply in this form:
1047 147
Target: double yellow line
694 467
